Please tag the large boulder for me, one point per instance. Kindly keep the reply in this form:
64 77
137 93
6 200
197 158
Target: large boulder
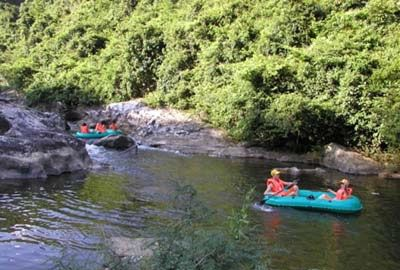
119 142
338 157
35 144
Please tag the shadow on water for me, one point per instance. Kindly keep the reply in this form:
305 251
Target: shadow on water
39 219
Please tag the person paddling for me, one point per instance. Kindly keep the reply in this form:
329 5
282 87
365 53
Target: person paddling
84 128
276 186
113 125
101 127
343 193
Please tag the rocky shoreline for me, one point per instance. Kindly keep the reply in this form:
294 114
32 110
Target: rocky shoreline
174 130
36 144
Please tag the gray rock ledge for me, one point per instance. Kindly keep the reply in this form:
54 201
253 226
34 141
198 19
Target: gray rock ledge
35 145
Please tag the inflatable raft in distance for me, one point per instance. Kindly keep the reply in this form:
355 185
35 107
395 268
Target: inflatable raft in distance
97 135
308 199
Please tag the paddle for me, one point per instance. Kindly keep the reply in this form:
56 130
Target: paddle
277 193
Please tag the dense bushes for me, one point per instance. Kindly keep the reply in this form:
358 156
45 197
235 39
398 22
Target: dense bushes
295 121
278 73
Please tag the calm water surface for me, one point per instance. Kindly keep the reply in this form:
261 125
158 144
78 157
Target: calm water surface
72 215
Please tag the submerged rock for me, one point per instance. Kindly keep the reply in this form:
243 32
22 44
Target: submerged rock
136 248
339 158
35 144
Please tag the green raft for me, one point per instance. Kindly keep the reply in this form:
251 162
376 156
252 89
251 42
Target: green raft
97 135
308 199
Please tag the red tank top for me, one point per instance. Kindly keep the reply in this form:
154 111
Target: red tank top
84 129
343 194
100 128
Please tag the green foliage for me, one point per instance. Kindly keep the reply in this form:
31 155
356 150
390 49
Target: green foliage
239 221
295 121
8 16
238 63
187 242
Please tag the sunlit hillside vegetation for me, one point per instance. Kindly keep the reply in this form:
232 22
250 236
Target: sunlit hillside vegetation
278 73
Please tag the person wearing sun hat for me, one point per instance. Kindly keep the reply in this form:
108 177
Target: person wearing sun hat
276 186
343 193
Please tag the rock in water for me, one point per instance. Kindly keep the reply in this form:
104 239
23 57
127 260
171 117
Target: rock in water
339 158
137 248
34 144
118 142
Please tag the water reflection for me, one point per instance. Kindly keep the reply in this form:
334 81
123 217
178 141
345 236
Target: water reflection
271 226
338 230
106 190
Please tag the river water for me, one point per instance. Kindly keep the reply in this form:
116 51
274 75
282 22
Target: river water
44 222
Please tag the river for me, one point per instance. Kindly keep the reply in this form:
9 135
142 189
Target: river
43 223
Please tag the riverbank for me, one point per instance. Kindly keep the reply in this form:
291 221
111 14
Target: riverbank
178 131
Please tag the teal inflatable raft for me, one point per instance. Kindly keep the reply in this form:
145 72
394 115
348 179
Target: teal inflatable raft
97 135
308 199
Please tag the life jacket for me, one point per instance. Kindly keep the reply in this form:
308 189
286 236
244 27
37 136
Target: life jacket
277 185
100 128
343 194
84 129
113 126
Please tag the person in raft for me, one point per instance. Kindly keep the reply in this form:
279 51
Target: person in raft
276 186
84 128
101 127
113 125
343 193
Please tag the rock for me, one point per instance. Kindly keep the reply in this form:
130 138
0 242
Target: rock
73 116
125 107
152 122
119 142
101 167
4 125
339 158
182 133
297 171
137 248
388 175
35 145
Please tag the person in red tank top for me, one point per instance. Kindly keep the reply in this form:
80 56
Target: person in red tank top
276 186
101 127
343 193
113 125
84 128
